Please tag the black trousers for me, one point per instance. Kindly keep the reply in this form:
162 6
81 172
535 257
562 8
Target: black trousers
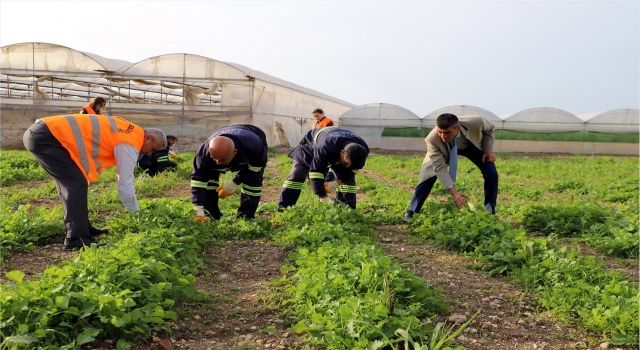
489 173
299 171
72 185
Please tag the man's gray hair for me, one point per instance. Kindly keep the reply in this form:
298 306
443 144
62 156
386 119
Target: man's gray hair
157 133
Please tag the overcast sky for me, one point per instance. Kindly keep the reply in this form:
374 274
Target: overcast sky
504 56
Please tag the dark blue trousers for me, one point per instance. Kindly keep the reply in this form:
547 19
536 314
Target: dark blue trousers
489 173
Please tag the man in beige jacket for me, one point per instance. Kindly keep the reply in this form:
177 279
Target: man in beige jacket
471 137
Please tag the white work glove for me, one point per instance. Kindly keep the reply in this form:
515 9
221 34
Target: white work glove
330 186
326 200
227 189
199 217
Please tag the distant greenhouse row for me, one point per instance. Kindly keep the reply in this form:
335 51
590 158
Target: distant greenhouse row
377 116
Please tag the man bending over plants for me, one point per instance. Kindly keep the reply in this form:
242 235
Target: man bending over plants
339 149
241 148
75 149
471 137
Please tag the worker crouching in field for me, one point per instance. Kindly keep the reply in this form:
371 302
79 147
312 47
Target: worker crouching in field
339 149
160 161
241 148
471 137
75 149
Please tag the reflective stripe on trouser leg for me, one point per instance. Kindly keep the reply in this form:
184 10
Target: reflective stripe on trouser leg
293 185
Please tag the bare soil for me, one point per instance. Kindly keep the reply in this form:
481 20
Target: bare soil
239 312
33 262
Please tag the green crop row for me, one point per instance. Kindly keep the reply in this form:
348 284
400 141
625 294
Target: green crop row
24 227
344 292
570 285
19 166
603 228
122 290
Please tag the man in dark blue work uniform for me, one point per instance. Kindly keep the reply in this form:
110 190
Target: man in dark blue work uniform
339 149
241 148
159 161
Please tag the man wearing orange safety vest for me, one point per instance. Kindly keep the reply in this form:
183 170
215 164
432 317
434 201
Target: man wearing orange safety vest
95 106
319 120
75 149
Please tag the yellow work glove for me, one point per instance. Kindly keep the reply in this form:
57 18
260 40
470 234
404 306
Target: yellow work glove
330 186
227 189
199 217
173 155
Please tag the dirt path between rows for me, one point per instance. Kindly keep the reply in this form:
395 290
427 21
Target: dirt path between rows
239 313
508 319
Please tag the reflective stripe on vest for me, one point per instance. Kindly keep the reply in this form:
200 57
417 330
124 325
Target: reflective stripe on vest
315 137
91 139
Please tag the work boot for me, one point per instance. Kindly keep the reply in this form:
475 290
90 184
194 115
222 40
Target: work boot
75 243
95 232
407 216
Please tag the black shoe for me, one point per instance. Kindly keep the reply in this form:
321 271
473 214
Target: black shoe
95 232
407 216
75 243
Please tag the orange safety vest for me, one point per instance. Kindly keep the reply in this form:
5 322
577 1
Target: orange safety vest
323 123
89 109
91 139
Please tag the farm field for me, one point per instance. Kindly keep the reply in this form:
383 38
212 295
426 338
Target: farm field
556 268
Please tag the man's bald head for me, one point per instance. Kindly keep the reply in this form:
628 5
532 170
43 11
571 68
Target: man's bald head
222 150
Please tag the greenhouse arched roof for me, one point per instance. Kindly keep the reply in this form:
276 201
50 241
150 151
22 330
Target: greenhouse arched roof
37 56
624 120
380 114
543 119
183 65
460 110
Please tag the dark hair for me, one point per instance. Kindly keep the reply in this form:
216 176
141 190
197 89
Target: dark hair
318 110
446 120
98 101
356 154
171 138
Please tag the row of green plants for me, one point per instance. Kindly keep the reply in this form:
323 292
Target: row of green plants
19 165
24 227
531 183
123 290
572 286
569 284
347 294
604 228
342 290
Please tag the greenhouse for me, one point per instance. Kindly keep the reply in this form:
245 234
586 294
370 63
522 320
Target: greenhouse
462 110
185 94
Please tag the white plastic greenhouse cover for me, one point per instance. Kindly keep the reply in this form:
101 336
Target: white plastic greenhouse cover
615 121
53 57
380 114
190 66
543 119
182 65
258 75
429 120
